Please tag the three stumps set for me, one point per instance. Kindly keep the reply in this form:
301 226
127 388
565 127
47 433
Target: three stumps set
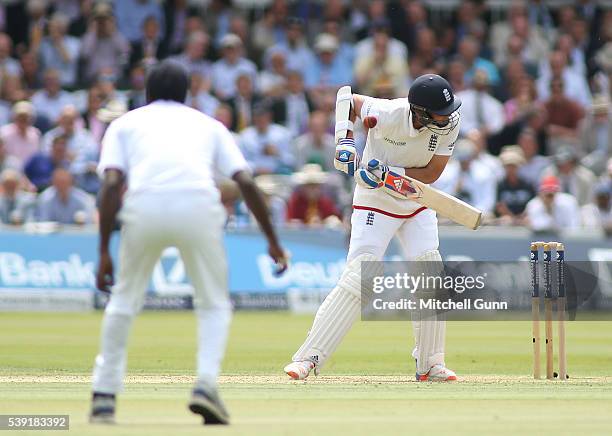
549 298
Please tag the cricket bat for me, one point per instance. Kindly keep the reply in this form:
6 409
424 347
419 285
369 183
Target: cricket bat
446 205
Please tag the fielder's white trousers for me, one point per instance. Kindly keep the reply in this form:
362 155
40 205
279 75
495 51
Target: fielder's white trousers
193 223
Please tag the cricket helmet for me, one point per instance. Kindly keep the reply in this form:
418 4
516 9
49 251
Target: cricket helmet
431 94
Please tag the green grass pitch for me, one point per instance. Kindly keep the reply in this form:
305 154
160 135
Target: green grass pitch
366 388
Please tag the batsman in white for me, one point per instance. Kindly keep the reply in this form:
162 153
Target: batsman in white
165 154
411 136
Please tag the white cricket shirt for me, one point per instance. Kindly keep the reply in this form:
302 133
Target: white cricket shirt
395 142
167 146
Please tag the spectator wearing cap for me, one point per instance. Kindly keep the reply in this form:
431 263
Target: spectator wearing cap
8 65
198 96
513 193
309 204
132 14
479 109
16 205
573 178
598 215
377 68
59 51
216 18
103 46
595 133
316 145
40 167
243 102
111 111
535 164
328 70
564 114
52 99
151 47
63 203
272 80
552 211
297 53
193 57
227 69
468 179
469 53
21 139
292 109
574 86
266 146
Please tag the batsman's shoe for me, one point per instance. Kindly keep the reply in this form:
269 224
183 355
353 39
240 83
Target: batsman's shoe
102 409
208 404
437 373
299 370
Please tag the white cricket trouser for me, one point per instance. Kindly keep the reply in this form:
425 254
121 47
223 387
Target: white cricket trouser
152 222
371 233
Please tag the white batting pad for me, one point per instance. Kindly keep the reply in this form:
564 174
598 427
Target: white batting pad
344 99
335 316
429 328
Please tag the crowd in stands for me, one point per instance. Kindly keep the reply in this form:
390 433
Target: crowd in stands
536 133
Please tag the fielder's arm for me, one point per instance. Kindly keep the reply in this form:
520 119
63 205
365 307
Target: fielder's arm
110 203
255 202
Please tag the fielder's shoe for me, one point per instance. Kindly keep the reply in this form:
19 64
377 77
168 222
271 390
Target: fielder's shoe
437 373
299 370
102 409
208 404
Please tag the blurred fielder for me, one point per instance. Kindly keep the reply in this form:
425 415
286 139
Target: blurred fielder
166 154
413 137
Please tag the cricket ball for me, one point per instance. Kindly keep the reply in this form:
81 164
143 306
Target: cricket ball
370 122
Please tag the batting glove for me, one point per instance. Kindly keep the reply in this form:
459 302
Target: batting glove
347 158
